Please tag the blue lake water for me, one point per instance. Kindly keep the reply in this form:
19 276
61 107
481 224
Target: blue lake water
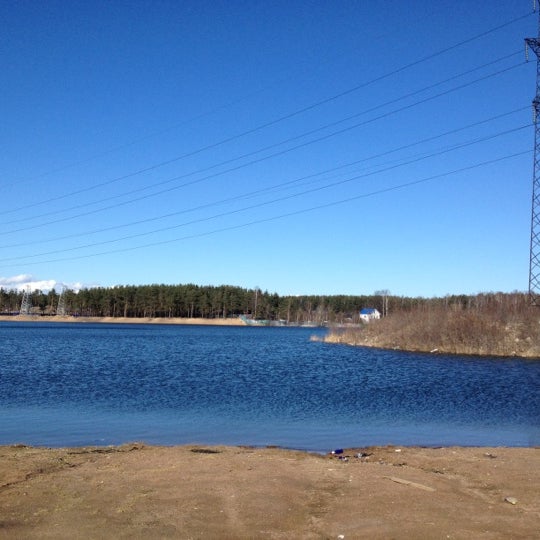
99 384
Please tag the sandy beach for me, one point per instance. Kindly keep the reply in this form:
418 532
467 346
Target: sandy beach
233 321
138 491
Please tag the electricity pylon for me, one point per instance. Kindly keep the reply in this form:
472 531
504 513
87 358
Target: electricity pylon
26 302
61 309
534 261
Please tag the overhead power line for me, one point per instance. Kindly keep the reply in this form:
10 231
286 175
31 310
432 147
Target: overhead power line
258 160
273 201
282 216
280 119
275 187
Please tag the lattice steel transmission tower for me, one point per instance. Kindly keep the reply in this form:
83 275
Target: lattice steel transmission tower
61 309
534 263
26 303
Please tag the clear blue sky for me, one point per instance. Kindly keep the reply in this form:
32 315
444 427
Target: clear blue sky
301 147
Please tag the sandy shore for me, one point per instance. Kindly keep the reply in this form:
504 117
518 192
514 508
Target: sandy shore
135 491
235 321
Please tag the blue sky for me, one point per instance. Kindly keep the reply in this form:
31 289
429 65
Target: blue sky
299 147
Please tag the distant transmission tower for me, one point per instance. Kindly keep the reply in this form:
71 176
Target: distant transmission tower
26 302
534 262
61 309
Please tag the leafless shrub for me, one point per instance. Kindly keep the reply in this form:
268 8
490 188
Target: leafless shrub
489 324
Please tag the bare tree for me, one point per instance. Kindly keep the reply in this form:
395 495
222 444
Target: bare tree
383 293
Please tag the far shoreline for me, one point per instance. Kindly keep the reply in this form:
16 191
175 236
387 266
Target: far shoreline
236 321
331 337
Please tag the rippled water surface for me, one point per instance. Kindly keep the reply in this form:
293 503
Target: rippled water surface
82 384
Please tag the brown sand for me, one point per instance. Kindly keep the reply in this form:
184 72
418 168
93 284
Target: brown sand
233 321
135 491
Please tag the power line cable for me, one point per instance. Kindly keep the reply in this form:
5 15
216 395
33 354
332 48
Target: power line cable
280 199
254 152
269 147
276 187
167 129
131 143
281 216
285 117
279 153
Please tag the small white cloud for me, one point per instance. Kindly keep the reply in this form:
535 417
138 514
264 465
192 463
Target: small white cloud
75 287
43 285
15 282
23 281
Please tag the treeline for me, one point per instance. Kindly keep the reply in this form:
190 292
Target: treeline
195 301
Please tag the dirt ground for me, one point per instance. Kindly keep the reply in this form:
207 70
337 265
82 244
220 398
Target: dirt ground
137 491
233 321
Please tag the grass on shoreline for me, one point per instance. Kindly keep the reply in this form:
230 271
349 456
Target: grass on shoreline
495 325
